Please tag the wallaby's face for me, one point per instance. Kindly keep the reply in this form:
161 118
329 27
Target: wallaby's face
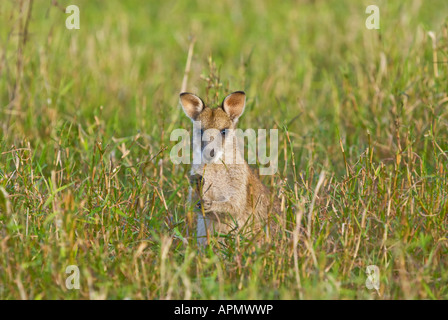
215 123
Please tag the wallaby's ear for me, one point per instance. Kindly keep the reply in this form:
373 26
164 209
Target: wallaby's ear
192 105
234 104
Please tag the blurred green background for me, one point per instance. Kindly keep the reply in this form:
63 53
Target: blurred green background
293 58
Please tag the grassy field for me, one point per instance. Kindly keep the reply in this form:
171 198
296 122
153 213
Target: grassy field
85 122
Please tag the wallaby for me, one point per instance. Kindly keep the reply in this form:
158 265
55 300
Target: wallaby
229 195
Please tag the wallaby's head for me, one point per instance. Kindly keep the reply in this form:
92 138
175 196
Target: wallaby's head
215 122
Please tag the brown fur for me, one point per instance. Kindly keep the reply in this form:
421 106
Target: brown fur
231 196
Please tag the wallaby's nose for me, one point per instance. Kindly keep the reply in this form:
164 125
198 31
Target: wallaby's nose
208 137
211 144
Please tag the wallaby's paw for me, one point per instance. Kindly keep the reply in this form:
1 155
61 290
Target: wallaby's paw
207 205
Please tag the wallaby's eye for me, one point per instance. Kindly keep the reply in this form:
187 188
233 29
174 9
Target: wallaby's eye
223 132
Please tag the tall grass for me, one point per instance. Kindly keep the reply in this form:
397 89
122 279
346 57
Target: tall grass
85 123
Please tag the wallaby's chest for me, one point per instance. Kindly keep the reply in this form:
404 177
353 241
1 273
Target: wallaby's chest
221 181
